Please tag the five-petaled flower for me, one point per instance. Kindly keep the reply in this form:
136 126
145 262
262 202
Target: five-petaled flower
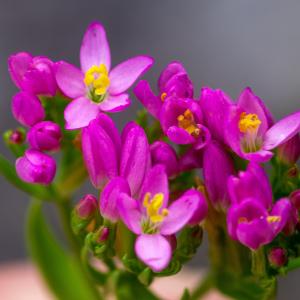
95 87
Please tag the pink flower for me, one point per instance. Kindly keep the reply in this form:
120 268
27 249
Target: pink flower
95 87
153 220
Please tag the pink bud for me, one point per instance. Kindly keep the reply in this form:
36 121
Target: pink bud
277 257
289 151
87 206
36 167
45 136
103 234
27 109
295 198
16 137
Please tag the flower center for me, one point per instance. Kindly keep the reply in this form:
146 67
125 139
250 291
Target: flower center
249 125
97 80
163 96
155 215
273 219
187 122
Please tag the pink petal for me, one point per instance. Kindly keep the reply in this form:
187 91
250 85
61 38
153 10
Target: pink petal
130 213
259 156
80 112
181 211
154 250
94 47
145 95
109 196
115 103
18 65
125 74
156 181
69 79
282 131
179 136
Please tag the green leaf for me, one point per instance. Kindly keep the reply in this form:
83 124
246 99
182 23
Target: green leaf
62 272
8 171
128 287
186 295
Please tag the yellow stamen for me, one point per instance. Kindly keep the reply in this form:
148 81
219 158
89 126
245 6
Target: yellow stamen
249 122
187 122
153 207
96 78
163 96
273 219
242 220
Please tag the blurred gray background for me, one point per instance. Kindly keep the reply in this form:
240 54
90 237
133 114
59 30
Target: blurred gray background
223 44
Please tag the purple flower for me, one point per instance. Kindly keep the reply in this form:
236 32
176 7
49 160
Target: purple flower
253 225
95 88
248 130
289 152
217 167
153 220
252 183
107 155
44 136
32 74
36 167
27 109
173 82
181 121
163 154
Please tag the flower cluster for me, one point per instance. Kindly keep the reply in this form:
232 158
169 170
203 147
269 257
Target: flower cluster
148 175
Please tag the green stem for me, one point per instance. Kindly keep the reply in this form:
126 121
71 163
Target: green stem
258 266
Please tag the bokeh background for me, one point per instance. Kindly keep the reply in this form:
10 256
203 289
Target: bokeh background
223 44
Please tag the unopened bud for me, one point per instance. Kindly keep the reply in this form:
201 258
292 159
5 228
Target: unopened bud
295 198
289 152
15 137
87 206
277 257
103 234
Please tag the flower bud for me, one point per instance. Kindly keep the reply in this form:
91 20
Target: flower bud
33 74
44 136
103 234
277 257
15 137
163 153
36 167
87 206
27 109
295 198
289 152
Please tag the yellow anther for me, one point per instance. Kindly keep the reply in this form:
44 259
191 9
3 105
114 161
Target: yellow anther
97 79
187 122
249 122
163 96
273 219
242 220
153 207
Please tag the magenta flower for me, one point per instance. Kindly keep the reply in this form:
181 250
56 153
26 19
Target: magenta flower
27 109
163 154
180 116
107 155
32 74
44 136
95 88
217 167
249 132
153 220
173 82
252 183
253 225
36 167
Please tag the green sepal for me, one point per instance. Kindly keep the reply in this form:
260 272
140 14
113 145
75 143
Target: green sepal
133 264
186 295
146 276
